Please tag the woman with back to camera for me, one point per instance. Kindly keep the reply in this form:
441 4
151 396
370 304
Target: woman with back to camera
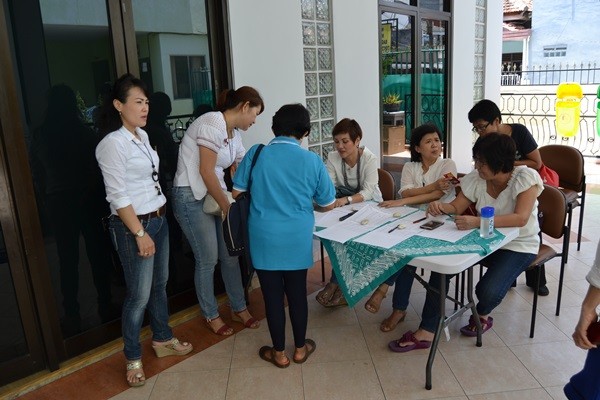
211 144
286 180
353 170
138 227
512 191
486 117
422 181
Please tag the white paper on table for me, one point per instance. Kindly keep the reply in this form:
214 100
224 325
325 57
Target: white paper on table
447 232
352 227
382 237
329 218
399 212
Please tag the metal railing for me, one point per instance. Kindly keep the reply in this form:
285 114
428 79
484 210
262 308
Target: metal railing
550 74
178 124
537 112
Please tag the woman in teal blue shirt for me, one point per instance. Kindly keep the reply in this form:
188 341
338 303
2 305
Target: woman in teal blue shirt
286 181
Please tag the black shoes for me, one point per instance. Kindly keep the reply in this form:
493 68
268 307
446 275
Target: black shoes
542 291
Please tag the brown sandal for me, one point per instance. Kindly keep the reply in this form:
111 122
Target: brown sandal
338 299
224 330
325 295
251 323
390 323
374 303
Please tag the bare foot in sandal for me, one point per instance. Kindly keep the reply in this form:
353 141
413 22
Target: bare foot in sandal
325 295
218 326
390 323
374 303
135 373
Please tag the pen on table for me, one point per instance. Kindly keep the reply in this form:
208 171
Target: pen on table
420 219
451 216
394 228
351 213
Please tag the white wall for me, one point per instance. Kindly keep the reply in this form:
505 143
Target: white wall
357 66
461 83
493 50
266 50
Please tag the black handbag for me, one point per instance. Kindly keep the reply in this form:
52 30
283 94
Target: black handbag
235 224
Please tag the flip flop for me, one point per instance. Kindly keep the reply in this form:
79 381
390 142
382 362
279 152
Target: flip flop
471 329
309 350
409 336
267 353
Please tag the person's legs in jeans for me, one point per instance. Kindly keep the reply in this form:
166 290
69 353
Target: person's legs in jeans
230 271
403 285
431 315
504 266
158 311
199 229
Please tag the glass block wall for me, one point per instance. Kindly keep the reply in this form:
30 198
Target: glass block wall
479 51
318 73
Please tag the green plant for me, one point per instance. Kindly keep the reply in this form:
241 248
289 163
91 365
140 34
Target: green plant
392 98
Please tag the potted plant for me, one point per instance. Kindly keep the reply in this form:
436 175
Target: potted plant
391 102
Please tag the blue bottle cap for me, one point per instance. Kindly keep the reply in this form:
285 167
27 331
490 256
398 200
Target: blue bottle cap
487 212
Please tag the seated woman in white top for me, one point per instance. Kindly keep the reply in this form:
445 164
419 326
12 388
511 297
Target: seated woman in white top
423 181
353 170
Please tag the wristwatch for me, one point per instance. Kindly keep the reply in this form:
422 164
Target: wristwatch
349 198
140 233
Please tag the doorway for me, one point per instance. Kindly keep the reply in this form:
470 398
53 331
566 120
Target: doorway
59 274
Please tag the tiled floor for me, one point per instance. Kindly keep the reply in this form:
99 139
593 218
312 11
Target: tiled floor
352 360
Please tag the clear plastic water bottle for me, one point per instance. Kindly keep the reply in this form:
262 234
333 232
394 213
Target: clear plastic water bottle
486 226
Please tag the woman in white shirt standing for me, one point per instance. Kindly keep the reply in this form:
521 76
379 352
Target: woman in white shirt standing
353 170
422 181
138 227
210 145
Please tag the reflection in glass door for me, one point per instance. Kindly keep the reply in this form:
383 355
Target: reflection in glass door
433 73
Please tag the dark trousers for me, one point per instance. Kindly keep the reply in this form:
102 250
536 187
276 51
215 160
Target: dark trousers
585 385
275 286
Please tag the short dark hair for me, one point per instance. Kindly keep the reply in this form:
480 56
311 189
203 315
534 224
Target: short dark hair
498 151
486 110
291 120
349 126
417 135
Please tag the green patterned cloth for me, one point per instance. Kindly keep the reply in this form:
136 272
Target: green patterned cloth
361 268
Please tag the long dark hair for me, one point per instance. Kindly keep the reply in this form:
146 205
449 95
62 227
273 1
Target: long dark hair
109 119
230 99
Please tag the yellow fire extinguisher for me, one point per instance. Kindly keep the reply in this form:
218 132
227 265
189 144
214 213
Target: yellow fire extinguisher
568 108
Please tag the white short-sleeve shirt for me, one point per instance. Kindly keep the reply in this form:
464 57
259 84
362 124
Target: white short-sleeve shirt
210 131
414 177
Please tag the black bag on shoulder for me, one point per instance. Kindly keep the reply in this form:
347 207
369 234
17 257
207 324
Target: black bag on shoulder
235 224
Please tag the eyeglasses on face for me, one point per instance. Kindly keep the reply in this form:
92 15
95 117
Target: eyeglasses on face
480 128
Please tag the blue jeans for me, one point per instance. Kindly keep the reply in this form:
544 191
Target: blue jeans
403 281
204 232
146 280
504 266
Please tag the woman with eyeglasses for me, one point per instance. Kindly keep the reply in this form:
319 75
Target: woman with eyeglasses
138 227
486 118
512 191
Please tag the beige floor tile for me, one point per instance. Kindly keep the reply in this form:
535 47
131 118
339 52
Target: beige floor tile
265 383
490 370
347 380
215 357
403 377
188 385
319 316
246 346
138 393
530 394
513 328
556 392
344 343
551 363
566 321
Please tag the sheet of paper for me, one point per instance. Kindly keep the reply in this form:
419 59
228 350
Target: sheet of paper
329 218
391 234
447 232
365 220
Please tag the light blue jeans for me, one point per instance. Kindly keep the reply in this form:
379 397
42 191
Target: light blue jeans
204 232
146 280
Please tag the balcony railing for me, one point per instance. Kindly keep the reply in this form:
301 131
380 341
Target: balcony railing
550 74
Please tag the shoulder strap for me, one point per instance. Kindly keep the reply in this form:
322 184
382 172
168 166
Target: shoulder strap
254 159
